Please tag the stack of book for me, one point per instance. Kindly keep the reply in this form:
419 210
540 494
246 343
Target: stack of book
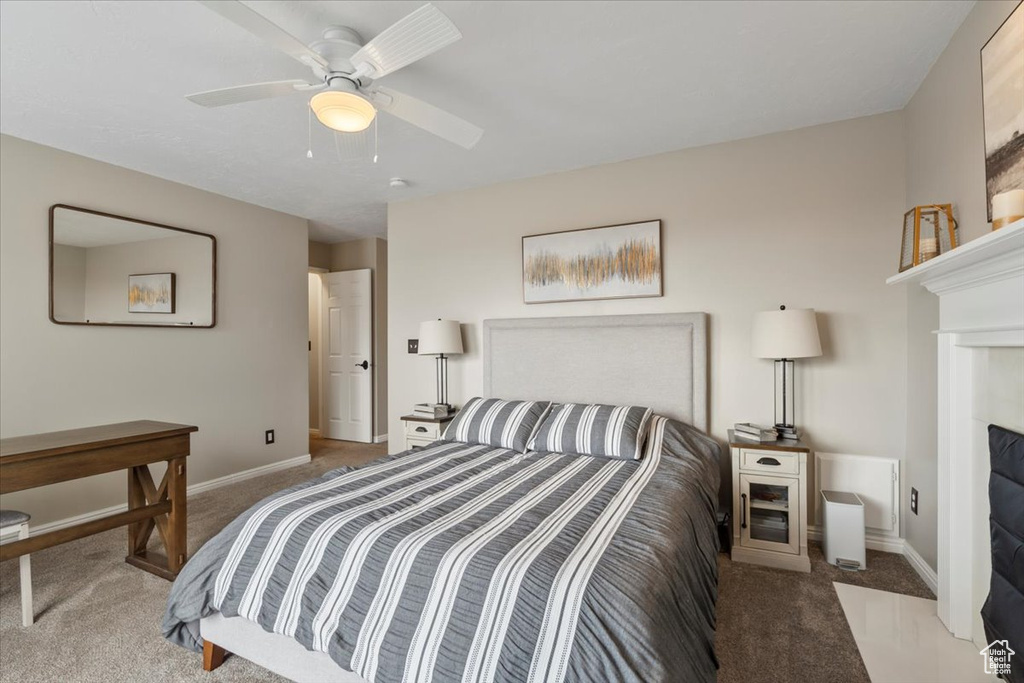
753 432
770 526
433 410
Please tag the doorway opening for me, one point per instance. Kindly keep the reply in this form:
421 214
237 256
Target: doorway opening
316 286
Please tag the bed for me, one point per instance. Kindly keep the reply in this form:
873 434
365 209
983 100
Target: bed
471 562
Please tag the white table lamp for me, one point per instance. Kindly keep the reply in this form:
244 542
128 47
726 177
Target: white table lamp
783 335
441 338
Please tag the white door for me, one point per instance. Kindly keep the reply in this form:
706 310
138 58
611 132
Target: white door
770 513
348 356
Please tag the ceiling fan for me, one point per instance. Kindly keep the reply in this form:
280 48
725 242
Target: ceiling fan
345 70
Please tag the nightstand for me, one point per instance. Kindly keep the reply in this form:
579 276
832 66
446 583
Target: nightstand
769 502
421 431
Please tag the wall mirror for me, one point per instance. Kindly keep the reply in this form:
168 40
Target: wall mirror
113 270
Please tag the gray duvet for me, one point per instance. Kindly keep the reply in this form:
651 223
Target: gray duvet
463 562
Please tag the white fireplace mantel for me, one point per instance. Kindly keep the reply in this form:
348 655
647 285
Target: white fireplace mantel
999 255
980 286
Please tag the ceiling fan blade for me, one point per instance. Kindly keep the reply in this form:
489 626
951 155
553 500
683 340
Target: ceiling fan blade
428 117
247 93
261 27
419 34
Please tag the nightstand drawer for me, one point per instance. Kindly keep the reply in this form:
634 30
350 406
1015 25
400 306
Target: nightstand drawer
424 430
413 442
769 461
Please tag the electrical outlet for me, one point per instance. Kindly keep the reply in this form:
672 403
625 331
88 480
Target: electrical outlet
414 346
270 436
913 501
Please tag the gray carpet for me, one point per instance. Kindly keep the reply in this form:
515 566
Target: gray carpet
98 619
777 626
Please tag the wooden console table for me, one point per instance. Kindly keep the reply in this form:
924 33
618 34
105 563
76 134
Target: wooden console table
40 459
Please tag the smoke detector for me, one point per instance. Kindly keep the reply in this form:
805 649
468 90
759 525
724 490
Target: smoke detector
398 183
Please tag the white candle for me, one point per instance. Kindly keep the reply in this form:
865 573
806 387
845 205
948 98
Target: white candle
929 248
1007 207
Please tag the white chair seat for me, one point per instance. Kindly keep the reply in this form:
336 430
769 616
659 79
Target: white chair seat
8 520
13 518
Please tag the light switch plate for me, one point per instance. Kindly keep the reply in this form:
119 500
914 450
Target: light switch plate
270 436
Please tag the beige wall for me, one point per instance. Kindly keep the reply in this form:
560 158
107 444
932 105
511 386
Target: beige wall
803 218
319 255
245 375
106 279
945 148
354 254
380 342
372 253
68 282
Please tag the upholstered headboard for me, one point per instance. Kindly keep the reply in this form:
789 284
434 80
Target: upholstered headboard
656 360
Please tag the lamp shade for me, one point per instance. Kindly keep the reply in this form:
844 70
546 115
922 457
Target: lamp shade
440 336
787 333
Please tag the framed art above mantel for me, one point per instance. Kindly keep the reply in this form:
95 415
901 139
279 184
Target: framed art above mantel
1002 85
607 262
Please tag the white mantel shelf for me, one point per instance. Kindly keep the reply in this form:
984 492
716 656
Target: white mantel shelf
997 255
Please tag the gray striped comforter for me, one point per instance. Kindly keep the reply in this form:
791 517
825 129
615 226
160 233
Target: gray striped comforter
472 563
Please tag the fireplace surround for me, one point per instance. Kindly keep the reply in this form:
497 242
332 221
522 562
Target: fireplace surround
980 286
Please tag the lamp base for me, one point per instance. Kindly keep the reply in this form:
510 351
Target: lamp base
784 399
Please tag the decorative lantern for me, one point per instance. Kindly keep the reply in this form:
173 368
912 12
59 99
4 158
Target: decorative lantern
928 231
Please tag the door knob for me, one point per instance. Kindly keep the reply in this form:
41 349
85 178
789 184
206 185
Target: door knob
364 365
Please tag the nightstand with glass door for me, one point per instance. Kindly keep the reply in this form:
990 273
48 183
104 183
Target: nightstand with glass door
770 502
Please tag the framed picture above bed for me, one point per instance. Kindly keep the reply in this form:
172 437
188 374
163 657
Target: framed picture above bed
1002 85
607 262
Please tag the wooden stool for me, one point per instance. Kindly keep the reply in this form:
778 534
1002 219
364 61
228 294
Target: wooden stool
8 520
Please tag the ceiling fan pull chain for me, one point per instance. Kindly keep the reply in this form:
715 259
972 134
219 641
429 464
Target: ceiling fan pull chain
375 124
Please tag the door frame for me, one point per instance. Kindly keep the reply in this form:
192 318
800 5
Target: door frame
372 351
312 270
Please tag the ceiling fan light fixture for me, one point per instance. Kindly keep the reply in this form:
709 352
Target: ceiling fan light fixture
345 112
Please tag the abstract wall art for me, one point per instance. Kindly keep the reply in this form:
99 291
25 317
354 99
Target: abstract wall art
609 262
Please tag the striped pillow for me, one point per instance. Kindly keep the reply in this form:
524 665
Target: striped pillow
491 421
591 429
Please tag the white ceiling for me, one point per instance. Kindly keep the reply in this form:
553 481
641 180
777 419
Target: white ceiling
556 86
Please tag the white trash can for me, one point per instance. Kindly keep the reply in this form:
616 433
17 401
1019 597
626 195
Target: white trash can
843 521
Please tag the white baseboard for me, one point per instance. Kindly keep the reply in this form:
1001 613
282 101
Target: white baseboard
248 474
873 541
377 439
927 574
190 491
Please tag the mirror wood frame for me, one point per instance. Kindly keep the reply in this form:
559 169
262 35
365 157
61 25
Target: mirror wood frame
213 247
